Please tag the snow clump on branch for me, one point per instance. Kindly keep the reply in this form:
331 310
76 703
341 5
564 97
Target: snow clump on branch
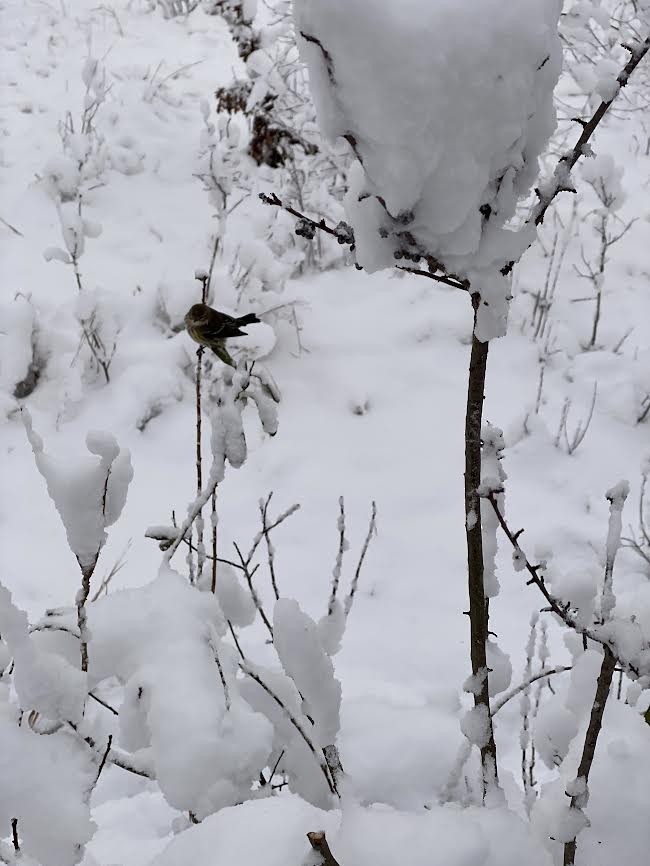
447 107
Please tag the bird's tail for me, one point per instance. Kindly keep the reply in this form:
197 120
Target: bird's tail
248 319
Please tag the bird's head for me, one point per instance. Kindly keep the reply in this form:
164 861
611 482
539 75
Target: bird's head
198 314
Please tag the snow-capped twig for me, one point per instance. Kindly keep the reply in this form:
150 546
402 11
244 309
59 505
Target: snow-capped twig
372 530
616 497
338 565
561 178
318 842
516 690
270 527
200 559
573 442
269 545
319 758
563 611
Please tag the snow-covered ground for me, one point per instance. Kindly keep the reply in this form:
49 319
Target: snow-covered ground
373 401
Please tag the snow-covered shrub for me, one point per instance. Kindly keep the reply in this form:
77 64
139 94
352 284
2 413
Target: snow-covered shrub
283 141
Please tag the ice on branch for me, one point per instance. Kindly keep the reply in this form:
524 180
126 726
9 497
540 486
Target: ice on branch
89 491
447 107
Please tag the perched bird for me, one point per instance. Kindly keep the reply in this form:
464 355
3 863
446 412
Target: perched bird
210 328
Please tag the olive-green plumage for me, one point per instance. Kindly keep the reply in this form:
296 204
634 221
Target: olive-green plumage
211 328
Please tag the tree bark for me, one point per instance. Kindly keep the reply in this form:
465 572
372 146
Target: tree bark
478 609
591 737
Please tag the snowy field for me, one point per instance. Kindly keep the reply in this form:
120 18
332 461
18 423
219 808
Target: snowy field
372 368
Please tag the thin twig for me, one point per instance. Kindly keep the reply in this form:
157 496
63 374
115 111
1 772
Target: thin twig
343 545
104 758
555 606
248 574
296 724
516 690
372 530
103 703
237 644
269 545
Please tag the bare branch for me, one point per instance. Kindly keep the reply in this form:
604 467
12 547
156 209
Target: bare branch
336 574
296 724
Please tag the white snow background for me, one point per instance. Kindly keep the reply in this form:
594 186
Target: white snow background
373 398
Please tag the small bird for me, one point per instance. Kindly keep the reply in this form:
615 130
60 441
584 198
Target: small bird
210 328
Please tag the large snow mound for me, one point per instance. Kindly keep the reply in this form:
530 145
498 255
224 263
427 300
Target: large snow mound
447 106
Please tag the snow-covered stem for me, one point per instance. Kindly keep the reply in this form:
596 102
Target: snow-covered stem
533 678
462 757
215 559
319 758
318 842
554 605
338 565
478 609
270 527
591 739
525 738
561 177
193 512
200 559
616 497
372 529
269 545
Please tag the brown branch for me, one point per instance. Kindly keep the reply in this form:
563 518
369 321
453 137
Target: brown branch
478 608
560 181
554 605
591 739
318 842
